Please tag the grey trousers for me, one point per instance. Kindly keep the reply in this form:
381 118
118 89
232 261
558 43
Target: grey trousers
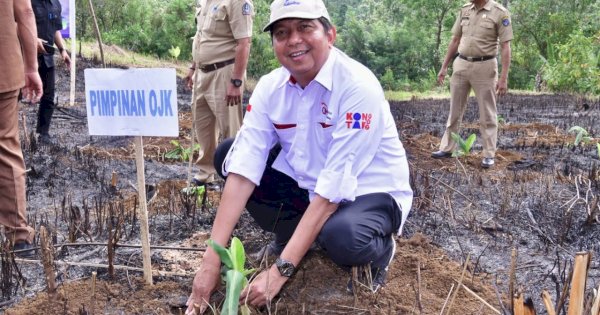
358 233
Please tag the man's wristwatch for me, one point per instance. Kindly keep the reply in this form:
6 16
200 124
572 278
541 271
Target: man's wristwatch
236 82
285 267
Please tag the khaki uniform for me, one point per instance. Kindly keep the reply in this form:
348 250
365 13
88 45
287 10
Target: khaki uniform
12 167
480 31
219 24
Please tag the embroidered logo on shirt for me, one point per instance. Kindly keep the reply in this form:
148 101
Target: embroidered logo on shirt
505 21
325 111
358 120
290 2
246 9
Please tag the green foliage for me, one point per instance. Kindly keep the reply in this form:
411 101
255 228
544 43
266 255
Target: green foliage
174 52
402 41
598 148
235 273
582 135
464 146
576 67
181 153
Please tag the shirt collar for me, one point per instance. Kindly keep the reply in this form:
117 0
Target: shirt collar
487 6
325 75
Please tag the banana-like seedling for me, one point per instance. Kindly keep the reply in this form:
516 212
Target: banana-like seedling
464 146
234 274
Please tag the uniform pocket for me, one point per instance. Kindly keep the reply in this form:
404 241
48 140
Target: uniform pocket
488 24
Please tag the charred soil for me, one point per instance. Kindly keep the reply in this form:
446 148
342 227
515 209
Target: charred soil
541 198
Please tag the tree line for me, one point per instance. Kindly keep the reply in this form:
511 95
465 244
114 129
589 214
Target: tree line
556 45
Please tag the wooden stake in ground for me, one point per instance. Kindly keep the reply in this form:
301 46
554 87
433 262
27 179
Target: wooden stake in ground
517 302
596 305
93 306
73 36
548 303
512 277
143 209
580 270
48 261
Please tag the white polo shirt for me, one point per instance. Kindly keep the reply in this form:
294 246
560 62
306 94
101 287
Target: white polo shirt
338 137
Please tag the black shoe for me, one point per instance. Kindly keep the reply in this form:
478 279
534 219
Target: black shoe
23 250
441 154
211 185
487 162
44 138
151 192
373 278
272 250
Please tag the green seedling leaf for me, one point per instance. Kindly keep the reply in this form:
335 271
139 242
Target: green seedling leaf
237 253
469 143
223 253
598 147
235 283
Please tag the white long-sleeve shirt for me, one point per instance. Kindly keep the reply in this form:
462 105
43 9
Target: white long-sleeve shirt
338 137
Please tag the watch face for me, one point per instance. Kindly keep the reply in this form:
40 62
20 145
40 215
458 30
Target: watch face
236 82
285 267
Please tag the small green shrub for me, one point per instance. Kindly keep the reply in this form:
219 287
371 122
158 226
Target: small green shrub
181 153
598 147
464 146
198 191
582 135
234 274
174 52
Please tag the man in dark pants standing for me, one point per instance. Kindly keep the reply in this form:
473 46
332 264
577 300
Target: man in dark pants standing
49 23
317 159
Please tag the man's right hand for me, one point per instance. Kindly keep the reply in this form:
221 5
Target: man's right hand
442 75
189 79
205 282
32 91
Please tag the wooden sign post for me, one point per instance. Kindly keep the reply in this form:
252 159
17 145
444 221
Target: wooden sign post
143 209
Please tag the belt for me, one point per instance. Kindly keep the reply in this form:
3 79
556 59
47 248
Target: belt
215 66
473 59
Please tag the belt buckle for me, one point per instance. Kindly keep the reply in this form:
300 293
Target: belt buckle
470 59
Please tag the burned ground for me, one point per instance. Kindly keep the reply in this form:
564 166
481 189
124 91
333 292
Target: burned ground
541 198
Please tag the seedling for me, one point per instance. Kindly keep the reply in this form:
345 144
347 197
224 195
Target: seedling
582 135
598 147
234 274
500 119
195 190
181 153
464 146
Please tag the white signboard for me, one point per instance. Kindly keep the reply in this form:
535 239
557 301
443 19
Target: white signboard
133 102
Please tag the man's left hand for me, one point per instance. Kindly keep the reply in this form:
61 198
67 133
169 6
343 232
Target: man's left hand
501 87
234 95
263 288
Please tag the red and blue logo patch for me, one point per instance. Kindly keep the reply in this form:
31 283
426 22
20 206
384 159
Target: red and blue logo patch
358 120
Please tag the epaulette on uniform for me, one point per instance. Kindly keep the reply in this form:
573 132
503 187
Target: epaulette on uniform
467 4
499 6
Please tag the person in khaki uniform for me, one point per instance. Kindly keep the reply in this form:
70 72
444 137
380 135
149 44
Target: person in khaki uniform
478 29
220 52
18 69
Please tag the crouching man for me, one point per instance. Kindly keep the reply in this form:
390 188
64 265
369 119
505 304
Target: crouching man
318 159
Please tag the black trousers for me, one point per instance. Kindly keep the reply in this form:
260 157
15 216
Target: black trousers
358 233
47 74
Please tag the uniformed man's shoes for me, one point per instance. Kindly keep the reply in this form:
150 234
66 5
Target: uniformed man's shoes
23 250
487 162
441 154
